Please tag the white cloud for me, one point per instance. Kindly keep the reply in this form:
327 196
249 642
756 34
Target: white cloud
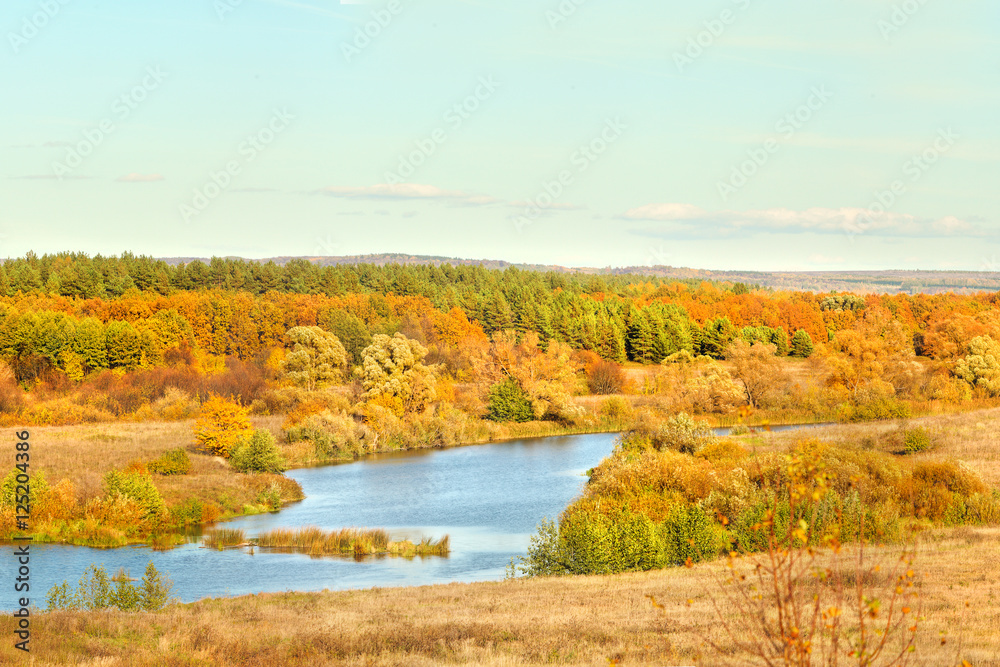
140 178
694 220
408 191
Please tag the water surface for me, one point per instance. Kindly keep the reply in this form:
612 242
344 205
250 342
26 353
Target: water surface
488 498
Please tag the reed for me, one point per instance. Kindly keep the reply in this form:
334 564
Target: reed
346 541
220 538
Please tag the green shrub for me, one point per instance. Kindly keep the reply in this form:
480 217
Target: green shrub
8 488
876 409
258 453
95 591
173 462
187 513
508 402
137 486
689 533
916 440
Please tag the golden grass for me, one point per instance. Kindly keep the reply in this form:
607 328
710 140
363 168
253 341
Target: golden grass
220 538
85 453
972 437
356 541
567 620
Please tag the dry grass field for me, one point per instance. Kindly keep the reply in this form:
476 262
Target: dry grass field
569 620
84 454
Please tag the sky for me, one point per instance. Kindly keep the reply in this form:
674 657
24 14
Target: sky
725 134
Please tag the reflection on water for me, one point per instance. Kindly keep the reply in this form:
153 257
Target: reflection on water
488 498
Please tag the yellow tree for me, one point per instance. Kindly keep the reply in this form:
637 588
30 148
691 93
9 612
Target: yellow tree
221 424
758 370
393 374
316 357
547 377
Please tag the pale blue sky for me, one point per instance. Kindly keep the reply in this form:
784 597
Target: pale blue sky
336 165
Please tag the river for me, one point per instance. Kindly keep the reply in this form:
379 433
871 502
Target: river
488 498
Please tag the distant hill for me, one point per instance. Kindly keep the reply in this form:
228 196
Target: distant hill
862 282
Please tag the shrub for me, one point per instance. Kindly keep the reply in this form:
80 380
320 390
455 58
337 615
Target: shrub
332 435
95 591
606 377
680 433
190 512
616 409
508 402
257 453
173 462
876 409
916 440
138 487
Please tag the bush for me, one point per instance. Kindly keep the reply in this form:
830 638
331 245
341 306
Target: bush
188 513
916 440
138 487
508 402
606 377
680 433
877 409
257 453
173 462
95 591
616 409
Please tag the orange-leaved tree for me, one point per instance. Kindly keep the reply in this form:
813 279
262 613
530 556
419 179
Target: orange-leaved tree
221 424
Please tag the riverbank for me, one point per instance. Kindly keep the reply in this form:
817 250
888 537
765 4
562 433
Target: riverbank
563 620
79 457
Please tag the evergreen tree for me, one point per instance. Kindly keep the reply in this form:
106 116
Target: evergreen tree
802 344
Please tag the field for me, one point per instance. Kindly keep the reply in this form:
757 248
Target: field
570 620
563 620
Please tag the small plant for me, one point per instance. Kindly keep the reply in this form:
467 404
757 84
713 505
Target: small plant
799 605
257 453
173 462
916 440
508 402
138 487
96 590
225 537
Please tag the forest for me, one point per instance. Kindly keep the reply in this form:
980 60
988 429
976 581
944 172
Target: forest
300 364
